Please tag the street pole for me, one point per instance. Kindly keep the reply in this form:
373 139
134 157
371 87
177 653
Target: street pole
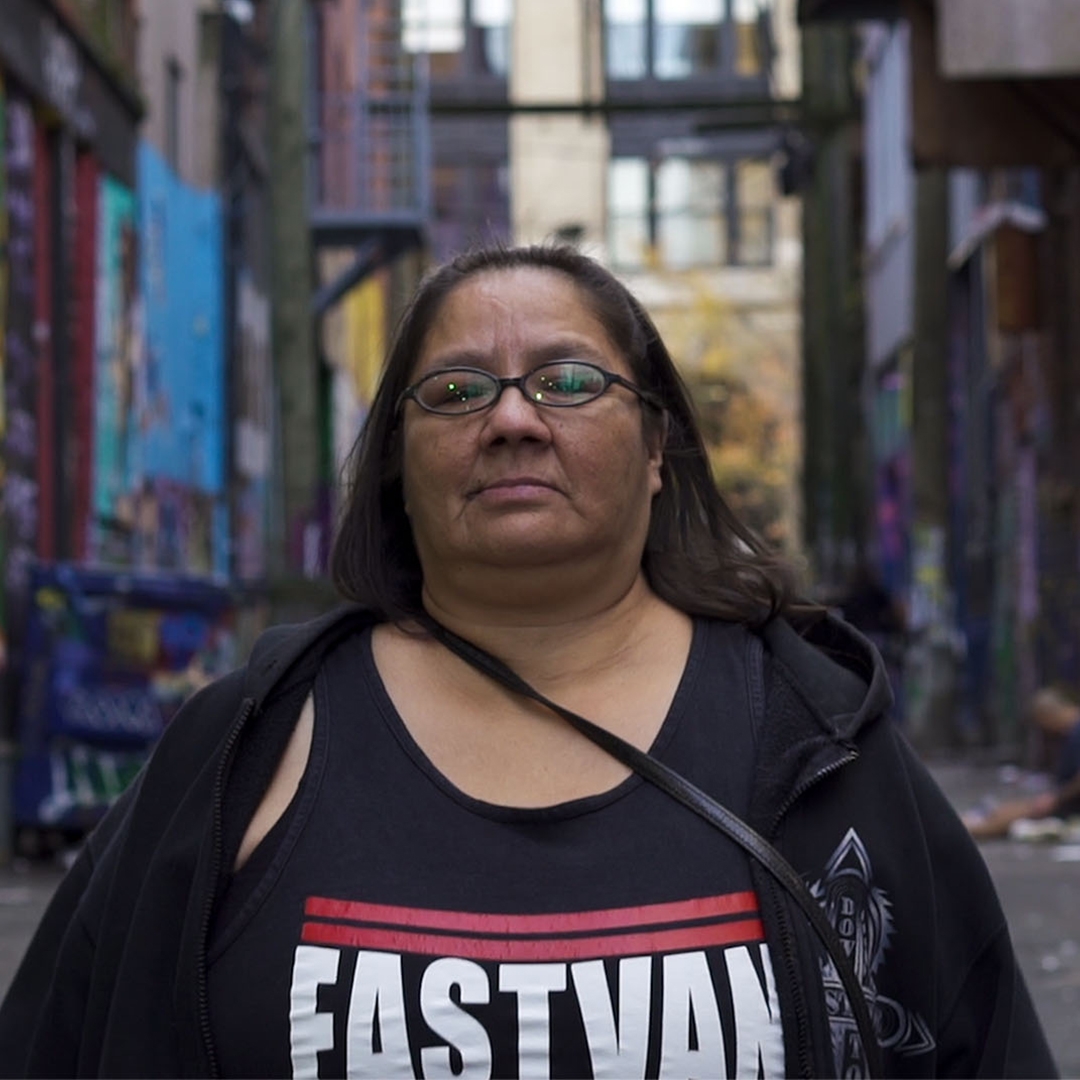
291 288
932 659
835 453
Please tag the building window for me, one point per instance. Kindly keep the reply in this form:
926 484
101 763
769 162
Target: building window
460 36
491 19
471 206
629 198
690 213
627 35
691 225
433 26
755 188
749 33
685 39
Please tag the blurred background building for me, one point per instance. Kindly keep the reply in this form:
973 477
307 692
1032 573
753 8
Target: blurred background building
856 222
946 148
647 132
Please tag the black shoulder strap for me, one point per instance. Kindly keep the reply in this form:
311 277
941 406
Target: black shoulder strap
718 815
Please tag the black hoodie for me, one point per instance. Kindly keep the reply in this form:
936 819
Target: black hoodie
114 981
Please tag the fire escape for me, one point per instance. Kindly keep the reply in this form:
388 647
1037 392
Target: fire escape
369 179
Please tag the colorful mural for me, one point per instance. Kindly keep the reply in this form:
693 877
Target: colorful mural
180 397
353 342
365 319
110 657
890 435
115 360
253 432
358 361
159 470
178 454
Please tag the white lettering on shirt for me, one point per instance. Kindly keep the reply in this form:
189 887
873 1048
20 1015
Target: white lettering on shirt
377 1007
451 1022
533 984
682 1026
758 1039
689 999
309 1030
617 1048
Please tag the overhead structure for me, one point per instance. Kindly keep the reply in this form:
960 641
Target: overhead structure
369 160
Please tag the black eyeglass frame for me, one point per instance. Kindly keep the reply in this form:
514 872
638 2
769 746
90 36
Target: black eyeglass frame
609 377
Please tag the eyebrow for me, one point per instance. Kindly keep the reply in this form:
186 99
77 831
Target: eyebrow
558 349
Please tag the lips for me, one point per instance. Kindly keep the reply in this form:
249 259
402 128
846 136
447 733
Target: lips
511 483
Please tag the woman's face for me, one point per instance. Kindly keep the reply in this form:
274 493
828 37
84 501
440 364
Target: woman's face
520 485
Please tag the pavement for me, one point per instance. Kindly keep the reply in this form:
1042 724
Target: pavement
1038 882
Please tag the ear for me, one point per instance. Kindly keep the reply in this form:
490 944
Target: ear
655 440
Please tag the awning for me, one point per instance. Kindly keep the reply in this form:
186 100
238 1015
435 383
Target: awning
988 220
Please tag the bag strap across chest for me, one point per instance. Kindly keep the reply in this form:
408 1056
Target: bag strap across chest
706 807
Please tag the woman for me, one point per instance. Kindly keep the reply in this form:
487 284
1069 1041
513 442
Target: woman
362 856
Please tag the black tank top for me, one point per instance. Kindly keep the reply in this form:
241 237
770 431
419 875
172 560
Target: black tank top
399 927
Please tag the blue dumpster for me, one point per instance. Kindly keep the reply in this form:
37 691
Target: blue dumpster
109 657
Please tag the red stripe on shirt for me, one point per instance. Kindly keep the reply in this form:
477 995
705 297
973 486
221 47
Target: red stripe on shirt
681 939
706 907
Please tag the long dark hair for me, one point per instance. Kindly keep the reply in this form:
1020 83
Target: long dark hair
698 556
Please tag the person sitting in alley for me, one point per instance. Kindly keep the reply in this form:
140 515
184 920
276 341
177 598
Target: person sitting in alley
1058 721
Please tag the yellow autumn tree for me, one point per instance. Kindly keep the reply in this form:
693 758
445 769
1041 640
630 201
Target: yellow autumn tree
743 377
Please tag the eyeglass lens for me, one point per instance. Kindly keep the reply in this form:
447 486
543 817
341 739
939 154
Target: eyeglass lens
463 390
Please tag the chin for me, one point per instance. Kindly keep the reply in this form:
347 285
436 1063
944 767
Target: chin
527 548
527 553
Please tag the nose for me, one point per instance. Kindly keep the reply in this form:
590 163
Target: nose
514 417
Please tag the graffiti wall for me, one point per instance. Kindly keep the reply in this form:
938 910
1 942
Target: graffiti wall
891 442
159 472
364 313
110 657
179 457
253 432
20 371
181 406
115 361
353 344
83 354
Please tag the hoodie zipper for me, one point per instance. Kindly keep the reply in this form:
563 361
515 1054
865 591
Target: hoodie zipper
787 942
801 789
247 707
802 1019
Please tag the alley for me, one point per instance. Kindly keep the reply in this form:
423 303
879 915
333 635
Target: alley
850 228
1037 883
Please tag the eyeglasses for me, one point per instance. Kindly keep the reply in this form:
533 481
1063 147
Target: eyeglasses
561 384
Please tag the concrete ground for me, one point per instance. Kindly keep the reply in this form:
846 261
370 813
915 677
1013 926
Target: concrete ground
1039 885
